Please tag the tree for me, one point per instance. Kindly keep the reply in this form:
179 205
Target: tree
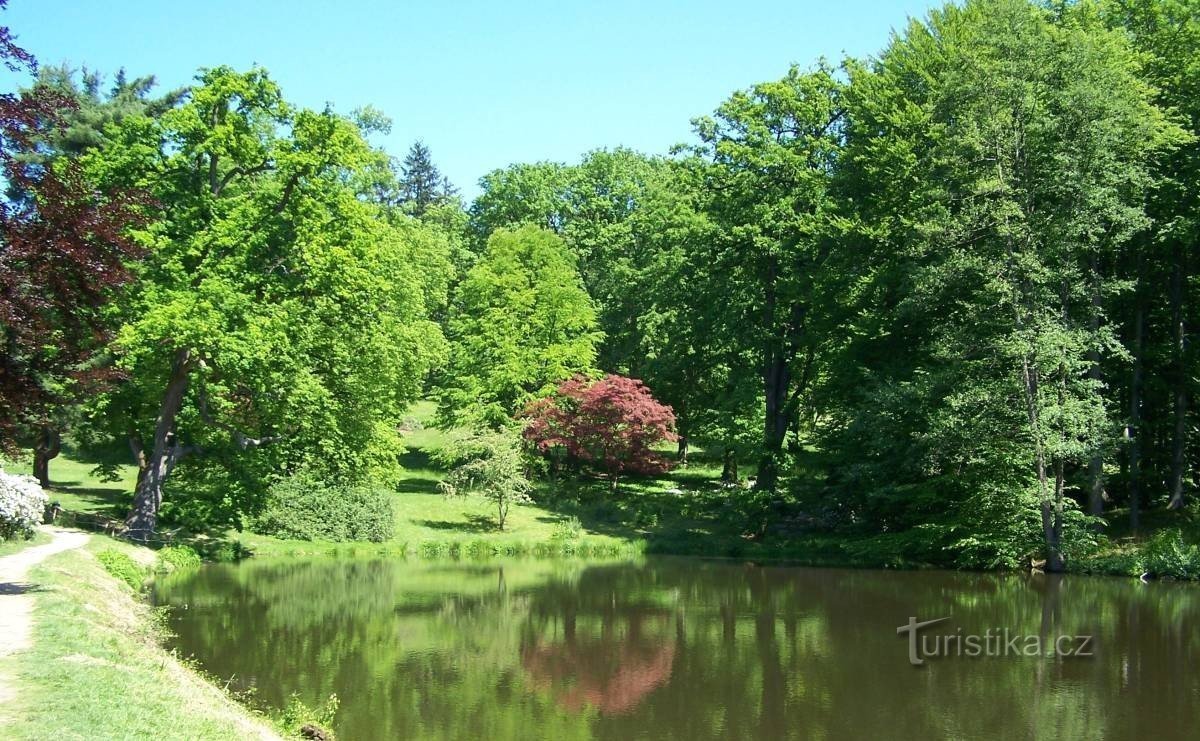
422 186
612 424
63 252
82 120
1164 380
773 151
490 462
996 154
279 323
520 323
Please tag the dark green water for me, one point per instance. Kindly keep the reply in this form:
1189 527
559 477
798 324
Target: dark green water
691 649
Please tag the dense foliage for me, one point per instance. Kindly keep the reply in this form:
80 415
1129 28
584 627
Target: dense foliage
521 322
942 299
612 425
303 507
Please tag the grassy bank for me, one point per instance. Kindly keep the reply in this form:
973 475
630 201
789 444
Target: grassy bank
97 670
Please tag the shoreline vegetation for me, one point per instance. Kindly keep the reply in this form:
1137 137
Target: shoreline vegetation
685 512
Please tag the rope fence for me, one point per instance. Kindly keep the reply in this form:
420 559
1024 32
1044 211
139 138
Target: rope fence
97 523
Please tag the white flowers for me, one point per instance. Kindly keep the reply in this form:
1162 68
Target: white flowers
22 504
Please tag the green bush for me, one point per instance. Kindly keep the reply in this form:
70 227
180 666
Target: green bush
567 529
175 557
297 717
1167 554
122 567
303 507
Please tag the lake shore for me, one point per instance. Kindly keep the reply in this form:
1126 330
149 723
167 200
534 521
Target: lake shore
96 667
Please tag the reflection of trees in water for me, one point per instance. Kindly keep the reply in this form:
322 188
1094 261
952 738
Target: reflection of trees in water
689 649
612 673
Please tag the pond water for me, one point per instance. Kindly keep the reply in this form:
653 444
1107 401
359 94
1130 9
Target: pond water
694 649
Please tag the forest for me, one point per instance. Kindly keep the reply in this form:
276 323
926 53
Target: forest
938 303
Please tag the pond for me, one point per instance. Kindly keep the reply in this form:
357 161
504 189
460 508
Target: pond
672 648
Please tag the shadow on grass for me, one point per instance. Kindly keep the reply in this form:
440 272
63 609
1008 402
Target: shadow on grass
422 473
114 502
684 513
474 524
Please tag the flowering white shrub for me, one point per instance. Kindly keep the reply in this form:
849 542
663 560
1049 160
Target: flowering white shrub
22 504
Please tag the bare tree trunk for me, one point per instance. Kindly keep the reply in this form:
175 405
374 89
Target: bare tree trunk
165 453
682 452
1180 381
49 444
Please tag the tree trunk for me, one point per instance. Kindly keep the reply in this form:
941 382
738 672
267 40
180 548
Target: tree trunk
1096 493
1180 381
49 444
1029 377
682 452
775 385
729 470
1133 432
165 453
139 456
776 381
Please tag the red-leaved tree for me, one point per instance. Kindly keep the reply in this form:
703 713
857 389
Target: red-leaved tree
611 425
63 250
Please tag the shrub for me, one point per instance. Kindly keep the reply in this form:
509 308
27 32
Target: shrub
22 505
567 529
298 719
173 558
612 425
1167 554
303 507
122 567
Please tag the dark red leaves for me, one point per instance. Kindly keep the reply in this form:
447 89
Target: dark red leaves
611 424
62 250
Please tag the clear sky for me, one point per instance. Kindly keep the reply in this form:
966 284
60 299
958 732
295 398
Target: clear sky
484 84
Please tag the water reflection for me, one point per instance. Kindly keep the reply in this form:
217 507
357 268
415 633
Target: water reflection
688 649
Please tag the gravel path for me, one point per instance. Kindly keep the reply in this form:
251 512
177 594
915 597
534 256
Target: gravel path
16 594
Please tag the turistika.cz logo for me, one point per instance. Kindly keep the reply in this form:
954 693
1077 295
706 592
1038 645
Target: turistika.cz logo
992 643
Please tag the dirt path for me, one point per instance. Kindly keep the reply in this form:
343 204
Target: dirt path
16 598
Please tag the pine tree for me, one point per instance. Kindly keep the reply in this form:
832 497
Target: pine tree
421 183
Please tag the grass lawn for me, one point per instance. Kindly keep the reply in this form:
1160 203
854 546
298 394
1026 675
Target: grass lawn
95 669
684 512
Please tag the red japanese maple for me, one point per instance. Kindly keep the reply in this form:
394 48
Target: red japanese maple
612 425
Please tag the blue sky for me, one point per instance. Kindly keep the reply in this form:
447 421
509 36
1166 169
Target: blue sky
484 84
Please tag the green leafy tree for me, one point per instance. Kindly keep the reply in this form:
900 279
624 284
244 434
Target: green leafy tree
997 153
1163 383
773 150
520 323
278 322
491 463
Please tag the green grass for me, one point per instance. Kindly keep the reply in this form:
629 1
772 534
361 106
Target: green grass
9 547
75 485
96 669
